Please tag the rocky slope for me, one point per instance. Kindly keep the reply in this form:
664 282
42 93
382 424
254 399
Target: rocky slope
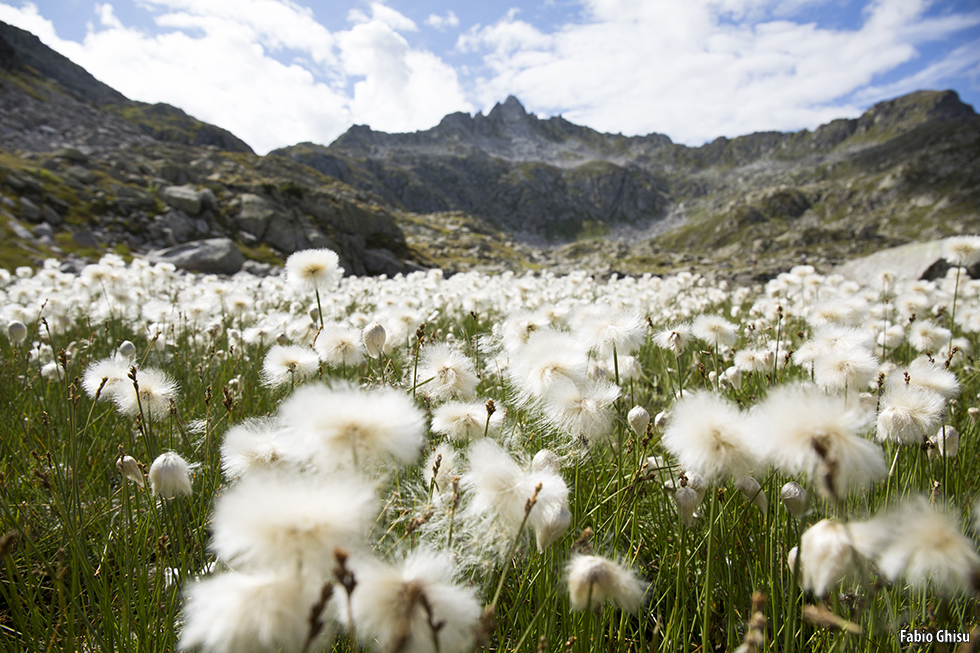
906 169
84 170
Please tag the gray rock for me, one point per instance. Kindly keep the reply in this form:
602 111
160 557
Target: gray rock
184 198
211 256
51 216
85 238
19 230
178 224
29 210
130 199
384 261
907 262
255 215
80 174
43 230
256 268
71 154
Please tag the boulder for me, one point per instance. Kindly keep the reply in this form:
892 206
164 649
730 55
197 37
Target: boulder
384 261
211 256
255 215
907 262
175 227
184 198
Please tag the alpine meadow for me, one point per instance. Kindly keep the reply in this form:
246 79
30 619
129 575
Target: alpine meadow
426 463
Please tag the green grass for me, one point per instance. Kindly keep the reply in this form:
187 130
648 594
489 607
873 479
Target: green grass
88 556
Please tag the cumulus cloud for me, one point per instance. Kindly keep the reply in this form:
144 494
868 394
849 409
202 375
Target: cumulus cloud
271 73
703 68
442 22
264 69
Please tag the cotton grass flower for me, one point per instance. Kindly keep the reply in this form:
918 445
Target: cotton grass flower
170 476
550 360
105 376
593 579
500 491
801 430
16 331
795 499
250 613
945 443
674 338
466 421
415 606
277 522
926 336
288 364
611 332
845 369
342 424
961 251
926 375
374 337
908 415
638 419
707 435
452 374
687 501
339 347
312 270
258 445
753 493
924 546
828 556
581 413
156 390
714 330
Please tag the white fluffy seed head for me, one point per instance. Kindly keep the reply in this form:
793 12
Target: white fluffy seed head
593 579
278 522
393 604
311 270
908 415
707 435
828 556
251 613
344 425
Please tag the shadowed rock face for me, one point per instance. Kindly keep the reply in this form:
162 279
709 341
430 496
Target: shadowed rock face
553 181
21 51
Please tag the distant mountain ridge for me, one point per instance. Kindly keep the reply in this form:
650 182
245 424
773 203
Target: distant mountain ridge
22 51
84 170
551 180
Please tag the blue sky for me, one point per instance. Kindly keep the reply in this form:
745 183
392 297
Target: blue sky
278 72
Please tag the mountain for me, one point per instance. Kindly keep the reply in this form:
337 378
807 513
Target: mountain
906 169
84 170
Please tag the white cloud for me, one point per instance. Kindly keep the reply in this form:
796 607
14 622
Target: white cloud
697 69
392 18
442 22
214 60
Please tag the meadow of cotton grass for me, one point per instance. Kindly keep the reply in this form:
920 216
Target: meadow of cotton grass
518 462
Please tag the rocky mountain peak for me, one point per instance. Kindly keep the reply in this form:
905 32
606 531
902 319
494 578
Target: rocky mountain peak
511 111
903 113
